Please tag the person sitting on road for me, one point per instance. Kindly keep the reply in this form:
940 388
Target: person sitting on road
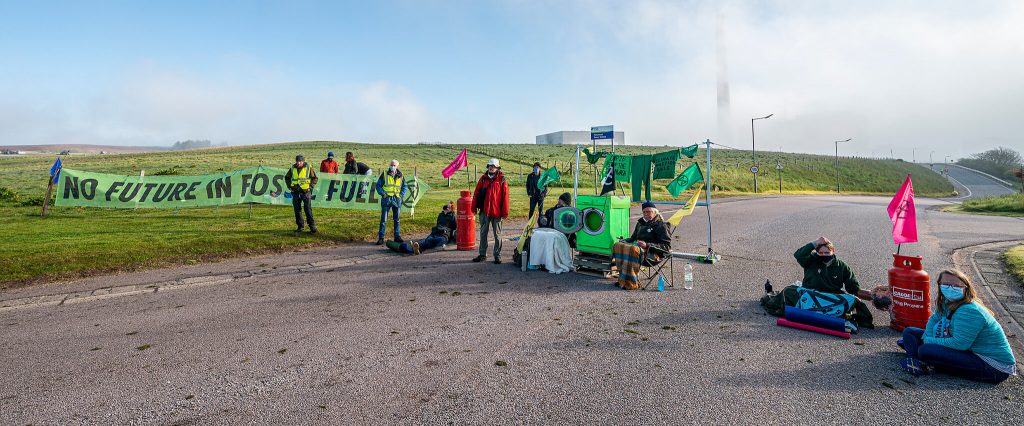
649 243
961 338
441 234
825 275
547 220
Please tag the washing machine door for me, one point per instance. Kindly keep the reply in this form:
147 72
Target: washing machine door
593 221
568 220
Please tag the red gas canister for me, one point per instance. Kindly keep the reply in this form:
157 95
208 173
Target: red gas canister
911 292
466 222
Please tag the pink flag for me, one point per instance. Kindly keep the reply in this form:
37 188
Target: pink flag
458 163
903 216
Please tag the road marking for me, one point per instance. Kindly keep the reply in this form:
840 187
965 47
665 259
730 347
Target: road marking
958 183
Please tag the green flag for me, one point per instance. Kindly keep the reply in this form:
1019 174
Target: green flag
689 151
549 175
688 177
592 158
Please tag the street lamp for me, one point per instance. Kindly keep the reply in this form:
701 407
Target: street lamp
837 162
753 169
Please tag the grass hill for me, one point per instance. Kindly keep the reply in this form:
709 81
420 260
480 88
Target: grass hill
80 241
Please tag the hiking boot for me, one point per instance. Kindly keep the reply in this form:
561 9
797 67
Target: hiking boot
312 229
380 241
299 229
415 248
399 240
914 366
497 261
480 258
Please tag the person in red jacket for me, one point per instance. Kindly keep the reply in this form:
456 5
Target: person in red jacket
490 201
329 165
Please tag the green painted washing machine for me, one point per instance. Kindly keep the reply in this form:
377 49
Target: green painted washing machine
605 220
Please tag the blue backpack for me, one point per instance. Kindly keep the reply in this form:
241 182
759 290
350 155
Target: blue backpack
831 304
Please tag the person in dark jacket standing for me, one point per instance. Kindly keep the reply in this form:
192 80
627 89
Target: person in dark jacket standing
536 195
353 167
442 233
490 201
301 179
328 165
391 188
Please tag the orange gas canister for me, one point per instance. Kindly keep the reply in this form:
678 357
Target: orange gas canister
910 293
466 222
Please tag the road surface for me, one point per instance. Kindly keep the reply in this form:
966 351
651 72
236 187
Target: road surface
383 338
973 185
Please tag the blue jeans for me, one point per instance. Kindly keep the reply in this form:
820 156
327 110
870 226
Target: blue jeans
950 361
427 243
385 206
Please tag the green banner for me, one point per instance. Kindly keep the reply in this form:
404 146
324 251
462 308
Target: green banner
623 166
263 185
665 164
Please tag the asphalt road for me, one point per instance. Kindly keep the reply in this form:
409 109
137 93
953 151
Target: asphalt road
973 185
415 340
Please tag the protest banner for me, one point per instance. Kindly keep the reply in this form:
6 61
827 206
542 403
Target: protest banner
263 185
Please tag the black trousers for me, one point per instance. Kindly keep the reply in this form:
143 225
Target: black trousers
537 202
300 202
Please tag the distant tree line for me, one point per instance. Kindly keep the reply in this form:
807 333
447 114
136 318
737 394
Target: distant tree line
191 144
1000 162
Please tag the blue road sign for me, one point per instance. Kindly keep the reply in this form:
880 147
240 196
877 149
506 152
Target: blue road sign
602 132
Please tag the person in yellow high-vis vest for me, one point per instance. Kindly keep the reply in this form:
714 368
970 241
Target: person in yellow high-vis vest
301 179
391 188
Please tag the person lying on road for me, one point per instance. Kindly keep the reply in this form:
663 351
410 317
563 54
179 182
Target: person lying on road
441 234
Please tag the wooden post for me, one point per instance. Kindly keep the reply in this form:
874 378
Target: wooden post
46 198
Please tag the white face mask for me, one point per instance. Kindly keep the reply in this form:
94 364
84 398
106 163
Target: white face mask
393 168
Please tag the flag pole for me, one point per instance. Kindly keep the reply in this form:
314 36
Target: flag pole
576 176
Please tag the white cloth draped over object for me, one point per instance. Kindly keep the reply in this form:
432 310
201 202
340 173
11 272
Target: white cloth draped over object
550 248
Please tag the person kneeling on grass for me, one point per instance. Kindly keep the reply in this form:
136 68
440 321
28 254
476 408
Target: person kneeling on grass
649 243
442 233
961 338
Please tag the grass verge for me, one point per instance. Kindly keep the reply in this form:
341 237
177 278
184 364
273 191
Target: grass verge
1014 260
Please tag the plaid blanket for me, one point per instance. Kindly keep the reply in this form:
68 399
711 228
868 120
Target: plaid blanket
627 258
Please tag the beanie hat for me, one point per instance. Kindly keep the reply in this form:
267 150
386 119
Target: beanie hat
565 198
648 204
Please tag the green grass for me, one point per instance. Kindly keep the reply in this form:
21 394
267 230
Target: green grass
1004 205
1014 259
76 241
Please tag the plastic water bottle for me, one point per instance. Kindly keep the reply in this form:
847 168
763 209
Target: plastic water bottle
688 276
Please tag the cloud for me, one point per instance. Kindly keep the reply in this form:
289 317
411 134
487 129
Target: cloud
156 105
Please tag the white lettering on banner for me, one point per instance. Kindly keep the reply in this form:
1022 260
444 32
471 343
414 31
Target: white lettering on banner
902 293
899 302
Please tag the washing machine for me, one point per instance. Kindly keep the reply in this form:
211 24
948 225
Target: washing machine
605 219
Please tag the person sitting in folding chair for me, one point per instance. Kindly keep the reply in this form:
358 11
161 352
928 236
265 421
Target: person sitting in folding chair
649 244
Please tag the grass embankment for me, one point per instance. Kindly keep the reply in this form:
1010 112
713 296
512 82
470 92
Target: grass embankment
1014 259
77 241
1003 205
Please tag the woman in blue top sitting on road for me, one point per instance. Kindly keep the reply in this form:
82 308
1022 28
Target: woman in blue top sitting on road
961 338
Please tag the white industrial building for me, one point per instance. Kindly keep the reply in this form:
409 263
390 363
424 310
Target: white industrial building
572 137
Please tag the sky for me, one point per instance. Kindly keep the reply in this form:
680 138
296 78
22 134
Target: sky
908 79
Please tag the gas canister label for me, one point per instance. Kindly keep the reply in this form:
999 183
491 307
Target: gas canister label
902 293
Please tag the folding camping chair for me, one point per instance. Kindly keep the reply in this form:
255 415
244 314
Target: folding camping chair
649 272
654 270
